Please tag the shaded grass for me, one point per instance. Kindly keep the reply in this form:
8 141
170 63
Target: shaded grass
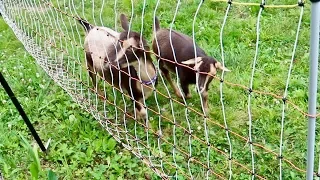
278 28
79 148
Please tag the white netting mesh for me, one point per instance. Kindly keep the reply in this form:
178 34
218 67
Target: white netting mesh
238 137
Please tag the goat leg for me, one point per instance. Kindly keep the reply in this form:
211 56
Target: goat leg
92 74
204 96
142 114
173 85
96 85
141 111
185 89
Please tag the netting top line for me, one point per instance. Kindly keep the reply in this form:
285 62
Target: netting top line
300 3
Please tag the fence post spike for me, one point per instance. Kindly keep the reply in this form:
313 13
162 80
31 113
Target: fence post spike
313 80
21 111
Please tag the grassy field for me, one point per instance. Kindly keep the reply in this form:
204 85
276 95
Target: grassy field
61 37
79 149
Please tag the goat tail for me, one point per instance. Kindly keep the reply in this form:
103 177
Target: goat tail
85 24
157 23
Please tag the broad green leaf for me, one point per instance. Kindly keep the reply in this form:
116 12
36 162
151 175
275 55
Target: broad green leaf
111 144
34 171
52 175
26 144
36 157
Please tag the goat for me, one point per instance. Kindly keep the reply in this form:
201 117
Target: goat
106 48
185 54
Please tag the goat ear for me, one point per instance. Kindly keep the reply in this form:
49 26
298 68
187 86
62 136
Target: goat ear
197 66
124 22
219 66
192 61
141 45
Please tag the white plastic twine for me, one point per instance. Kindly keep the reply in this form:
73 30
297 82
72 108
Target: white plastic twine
164 85
177 77
199 93
221 92
286 90
250 90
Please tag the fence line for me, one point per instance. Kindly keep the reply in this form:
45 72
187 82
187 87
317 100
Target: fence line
312 114
257 4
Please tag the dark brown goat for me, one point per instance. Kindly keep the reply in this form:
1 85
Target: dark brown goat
106 49
185 54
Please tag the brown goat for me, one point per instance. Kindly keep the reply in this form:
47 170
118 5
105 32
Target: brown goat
185 54
106 49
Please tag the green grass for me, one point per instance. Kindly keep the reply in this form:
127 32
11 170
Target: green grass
278 28
80 148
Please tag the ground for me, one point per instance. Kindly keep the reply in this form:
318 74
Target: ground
79 147
76 135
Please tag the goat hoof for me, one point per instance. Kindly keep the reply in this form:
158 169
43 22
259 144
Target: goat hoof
178 94
142 114
189 96
206 109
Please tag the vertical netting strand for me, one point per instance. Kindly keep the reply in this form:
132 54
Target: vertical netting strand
165 86
250 90
198 90
221 90
285 94
172 109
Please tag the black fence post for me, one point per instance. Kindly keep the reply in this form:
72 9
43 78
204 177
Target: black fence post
21 111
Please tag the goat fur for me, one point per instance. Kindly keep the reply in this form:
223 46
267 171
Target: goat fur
185 54
106 48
